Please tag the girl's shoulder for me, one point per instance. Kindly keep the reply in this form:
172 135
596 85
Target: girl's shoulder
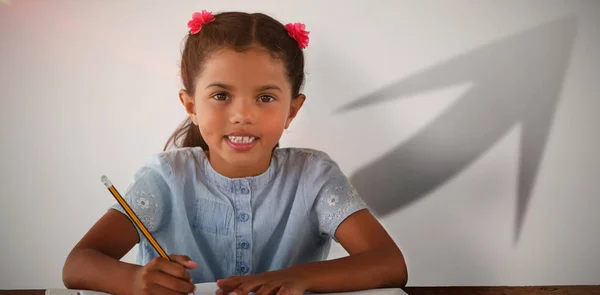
171 166
324 187
314 166
180 158
174 160
306 159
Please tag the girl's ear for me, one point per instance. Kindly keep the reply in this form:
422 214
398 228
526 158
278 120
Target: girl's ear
294 108
188 103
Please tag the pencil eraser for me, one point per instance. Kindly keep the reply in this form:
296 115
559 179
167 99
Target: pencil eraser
106 181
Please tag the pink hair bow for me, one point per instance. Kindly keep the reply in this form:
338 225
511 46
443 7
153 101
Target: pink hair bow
298 32
198 20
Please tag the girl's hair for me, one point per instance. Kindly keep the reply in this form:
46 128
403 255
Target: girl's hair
238 31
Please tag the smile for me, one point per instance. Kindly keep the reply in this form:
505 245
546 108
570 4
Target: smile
241 139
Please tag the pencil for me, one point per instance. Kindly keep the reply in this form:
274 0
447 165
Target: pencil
134 217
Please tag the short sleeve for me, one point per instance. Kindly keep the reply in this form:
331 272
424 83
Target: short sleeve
149 195
336 198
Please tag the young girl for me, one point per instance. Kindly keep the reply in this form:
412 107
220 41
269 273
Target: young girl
227 203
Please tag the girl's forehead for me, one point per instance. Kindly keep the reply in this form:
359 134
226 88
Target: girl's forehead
250 65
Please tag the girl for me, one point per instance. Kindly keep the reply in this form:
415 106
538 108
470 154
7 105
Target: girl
227 202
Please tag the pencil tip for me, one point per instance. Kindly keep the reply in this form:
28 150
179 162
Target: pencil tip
105 180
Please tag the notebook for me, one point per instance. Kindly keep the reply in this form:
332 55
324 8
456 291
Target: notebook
211 289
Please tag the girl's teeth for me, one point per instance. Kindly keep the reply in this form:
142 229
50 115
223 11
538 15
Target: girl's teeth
242 139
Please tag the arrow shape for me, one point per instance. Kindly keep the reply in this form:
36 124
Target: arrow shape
516 80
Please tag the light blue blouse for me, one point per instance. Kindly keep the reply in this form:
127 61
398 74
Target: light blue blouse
236 226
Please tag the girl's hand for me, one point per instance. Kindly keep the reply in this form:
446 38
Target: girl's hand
161 276
281 282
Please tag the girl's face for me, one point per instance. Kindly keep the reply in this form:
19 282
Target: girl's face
242 105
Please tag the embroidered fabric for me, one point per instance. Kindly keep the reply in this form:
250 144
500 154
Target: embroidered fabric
145 206
337 200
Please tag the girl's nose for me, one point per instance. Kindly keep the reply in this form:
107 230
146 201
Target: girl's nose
243 111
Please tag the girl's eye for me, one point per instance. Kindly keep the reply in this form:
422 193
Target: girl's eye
266 98
220 96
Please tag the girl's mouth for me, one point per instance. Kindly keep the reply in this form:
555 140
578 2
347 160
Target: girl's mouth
241 139
241 143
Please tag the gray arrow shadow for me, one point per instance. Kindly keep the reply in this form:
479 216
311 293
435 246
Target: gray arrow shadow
517 80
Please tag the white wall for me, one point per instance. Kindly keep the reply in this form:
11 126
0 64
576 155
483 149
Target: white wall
493 110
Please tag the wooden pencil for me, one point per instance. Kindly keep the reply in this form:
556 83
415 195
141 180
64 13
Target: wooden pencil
138 223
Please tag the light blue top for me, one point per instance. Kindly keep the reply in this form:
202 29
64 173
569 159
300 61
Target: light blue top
236 226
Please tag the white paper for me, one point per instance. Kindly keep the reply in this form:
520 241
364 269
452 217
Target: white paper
211 289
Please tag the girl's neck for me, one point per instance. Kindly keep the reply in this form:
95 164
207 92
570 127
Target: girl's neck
233 171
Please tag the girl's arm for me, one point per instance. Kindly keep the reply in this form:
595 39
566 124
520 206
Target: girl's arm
94 264
375 261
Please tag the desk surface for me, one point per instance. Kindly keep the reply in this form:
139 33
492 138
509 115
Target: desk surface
551 290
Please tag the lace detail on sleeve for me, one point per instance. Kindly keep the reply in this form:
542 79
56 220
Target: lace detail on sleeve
331 195
336 202
146 207
149 198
